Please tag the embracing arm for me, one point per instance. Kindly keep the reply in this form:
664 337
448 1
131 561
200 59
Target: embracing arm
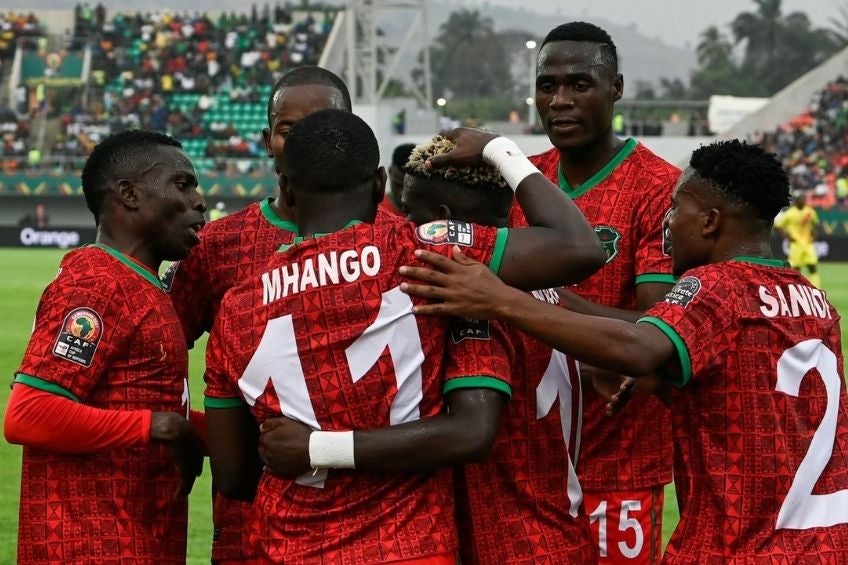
467 288
560 247
647 294
464 434
233 455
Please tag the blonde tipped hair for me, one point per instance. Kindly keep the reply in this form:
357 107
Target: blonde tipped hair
482 176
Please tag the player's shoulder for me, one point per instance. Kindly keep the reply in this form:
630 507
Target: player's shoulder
648 164
545 160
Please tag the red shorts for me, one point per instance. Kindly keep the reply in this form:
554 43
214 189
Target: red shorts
627 526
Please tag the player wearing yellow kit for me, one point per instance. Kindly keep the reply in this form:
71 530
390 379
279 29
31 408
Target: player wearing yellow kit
798 224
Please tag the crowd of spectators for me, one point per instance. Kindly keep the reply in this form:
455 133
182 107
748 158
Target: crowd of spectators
14 26
170 71
14 144
814 146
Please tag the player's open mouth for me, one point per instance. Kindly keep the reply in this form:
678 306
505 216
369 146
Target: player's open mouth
195 228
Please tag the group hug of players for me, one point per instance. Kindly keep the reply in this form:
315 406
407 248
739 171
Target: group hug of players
382 389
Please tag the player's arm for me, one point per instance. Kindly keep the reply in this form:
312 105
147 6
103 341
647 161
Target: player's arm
53 422
560 247
464 434
464 287
647 294
233 454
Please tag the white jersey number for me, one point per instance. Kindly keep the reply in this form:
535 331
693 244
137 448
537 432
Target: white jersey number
276 360
556 383
802 509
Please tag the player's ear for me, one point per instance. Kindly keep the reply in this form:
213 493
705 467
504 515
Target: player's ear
128 194
445 212
711 222
379 184
285 190
618 87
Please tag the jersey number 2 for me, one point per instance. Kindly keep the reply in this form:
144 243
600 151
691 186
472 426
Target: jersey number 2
802 509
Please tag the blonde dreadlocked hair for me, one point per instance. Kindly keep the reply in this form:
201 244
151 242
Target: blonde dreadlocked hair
484 176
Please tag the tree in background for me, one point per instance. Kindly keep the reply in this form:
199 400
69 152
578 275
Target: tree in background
777 50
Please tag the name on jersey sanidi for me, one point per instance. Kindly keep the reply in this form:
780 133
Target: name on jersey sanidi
320 270
794 300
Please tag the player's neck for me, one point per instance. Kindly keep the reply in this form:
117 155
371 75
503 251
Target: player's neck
282 210
332 213
760 248
582 163
137 250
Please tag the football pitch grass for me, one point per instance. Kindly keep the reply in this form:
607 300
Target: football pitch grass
28 272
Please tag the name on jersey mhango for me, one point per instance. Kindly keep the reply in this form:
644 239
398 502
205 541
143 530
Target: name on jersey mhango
320 270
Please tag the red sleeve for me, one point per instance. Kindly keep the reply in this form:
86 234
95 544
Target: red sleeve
221 389
481 243
479 354
39 419
653 259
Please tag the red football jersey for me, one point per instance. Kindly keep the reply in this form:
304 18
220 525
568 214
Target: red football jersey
523 504
325 336
760 419
105 335
626 202
231 249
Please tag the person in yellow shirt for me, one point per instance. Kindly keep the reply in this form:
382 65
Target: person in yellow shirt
799 224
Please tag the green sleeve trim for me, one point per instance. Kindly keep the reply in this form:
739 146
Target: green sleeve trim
498 252
477 382
209 402
656 278
679 346
46 386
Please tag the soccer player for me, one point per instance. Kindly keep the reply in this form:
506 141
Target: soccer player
100 399
798 224
231 250
393 202
334 345
624 190
753 356
521 504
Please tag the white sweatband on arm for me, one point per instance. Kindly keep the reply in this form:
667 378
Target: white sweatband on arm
503 154
331 450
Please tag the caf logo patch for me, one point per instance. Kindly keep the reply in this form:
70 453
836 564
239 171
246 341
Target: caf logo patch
446 231
609 237
469 328
80 334
684 291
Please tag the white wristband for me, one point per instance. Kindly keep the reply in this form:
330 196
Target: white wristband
331 450
503 154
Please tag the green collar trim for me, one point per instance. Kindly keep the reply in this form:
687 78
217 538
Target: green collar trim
761 261
301 238
596 179
268 212
145 274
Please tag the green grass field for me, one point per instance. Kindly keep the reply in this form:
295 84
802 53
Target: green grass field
29 271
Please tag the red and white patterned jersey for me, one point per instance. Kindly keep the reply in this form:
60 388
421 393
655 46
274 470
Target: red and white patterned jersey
325 336
626 202
760 420
105 335
523 505
231 249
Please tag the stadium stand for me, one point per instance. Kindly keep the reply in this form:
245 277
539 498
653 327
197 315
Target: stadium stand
813 146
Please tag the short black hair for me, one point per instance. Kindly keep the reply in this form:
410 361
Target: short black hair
746 175
309 75
401 154
118 155
331 151
588 33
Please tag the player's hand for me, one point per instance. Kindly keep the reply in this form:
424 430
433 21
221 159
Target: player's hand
462 286
284 447
183 444
620 397
468 151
